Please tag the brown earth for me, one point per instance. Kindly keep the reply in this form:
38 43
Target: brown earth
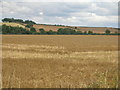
49 27
94 29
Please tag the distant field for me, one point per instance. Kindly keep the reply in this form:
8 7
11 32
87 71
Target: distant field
60 61
94 29
49 27
55 28
12 24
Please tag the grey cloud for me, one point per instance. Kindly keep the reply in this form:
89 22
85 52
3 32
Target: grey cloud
107 8
87 13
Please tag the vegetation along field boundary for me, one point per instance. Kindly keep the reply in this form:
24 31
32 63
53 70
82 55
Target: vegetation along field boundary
18 26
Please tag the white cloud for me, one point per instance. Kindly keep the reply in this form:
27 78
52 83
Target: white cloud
63 0
41 13
82 13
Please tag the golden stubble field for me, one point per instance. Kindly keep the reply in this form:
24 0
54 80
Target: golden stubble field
59 61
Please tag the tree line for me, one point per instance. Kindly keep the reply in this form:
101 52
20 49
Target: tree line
13 30
29 24
18 21
4 29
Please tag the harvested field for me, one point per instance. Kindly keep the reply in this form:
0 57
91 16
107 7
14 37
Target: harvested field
60 61
49 27
13 24
94 29
98 29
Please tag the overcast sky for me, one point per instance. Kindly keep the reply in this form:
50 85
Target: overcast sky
94 14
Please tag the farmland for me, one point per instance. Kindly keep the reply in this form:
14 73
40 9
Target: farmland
32 26
79 28
60 61
13 24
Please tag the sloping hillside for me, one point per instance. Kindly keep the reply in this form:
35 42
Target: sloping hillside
94 29
29 24
55 28
97 29
13 24
49 27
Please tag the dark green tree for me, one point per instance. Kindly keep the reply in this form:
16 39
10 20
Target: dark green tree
29 26
75 27
66 31
29 22
90 32
32 29
42 31
12 20
18 21
107 31
85 32
14 30
50 32
79 32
